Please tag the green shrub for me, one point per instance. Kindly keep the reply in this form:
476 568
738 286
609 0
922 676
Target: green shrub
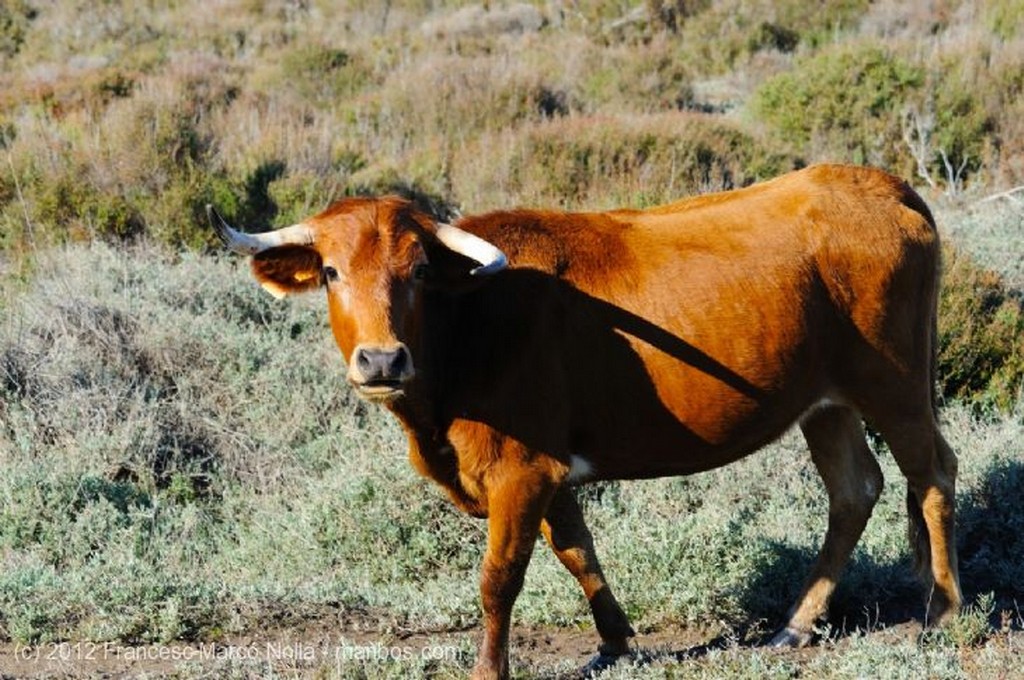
726 34
970 628
961 121
1005 18
773 36
963 128
321 74
298 195
642 78
821 26
82 211
15 16
845 103
990 531
945 120
981 335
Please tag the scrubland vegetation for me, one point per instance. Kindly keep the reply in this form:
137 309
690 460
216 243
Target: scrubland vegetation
181 459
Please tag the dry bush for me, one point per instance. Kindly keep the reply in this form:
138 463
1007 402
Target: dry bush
451 97
603 162
321 74
893 19
1000 87
140 163
101 355
474 21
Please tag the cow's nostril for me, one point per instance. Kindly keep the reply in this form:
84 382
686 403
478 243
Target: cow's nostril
363 361
399 361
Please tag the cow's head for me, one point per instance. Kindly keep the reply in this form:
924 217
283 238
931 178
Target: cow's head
374 257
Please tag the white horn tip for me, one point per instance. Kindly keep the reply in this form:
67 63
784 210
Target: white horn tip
490 257
493 267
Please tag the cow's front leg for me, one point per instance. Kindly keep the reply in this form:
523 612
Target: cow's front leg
570 539
517 499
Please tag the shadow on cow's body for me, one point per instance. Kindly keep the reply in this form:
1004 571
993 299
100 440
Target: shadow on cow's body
634 344
585 390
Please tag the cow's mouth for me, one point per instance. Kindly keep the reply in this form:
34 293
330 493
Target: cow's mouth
380 390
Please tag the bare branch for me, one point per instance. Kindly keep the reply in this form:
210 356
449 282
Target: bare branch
1008 194
917 133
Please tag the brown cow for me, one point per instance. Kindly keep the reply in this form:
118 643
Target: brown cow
632 344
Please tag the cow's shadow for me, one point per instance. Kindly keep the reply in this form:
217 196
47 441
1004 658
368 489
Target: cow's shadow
874 595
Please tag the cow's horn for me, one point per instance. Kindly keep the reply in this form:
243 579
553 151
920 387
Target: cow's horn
491 259
250 244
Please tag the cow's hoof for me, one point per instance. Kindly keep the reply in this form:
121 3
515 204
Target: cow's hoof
599 663
790 637
618 647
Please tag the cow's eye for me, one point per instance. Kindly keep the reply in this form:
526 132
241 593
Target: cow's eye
421 272
330 274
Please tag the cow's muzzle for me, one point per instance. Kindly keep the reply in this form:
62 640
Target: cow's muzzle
380 373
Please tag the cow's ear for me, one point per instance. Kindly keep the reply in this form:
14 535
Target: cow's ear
447 269
288 269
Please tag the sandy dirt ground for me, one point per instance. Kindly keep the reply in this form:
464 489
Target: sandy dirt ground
323 647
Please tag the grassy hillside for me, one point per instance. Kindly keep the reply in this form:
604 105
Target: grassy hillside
181 459
125 118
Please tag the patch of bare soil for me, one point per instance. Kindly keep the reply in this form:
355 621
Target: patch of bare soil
318 646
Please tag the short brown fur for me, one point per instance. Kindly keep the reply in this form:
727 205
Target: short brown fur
634 344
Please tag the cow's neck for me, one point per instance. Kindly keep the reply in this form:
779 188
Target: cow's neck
431 453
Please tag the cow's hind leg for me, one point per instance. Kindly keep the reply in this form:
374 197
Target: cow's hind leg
567 534
853 480
930 466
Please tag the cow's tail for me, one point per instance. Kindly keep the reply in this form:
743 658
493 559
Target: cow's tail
917 530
